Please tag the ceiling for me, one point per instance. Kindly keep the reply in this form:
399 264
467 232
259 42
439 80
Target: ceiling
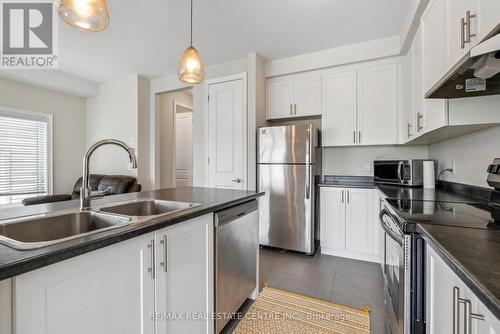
148 36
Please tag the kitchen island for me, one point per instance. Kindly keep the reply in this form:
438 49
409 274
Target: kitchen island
157 272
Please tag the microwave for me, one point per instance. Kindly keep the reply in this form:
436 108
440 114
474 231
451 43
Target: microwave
400 172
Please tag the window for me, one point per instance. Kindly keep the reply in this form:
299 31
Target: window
24 155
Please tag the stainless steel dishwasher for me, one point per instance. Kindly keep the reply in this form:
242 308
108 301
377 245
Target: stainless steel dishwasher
236 251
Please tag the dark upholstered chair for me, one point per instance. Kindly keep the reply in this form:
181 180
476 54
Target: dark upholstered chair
115 184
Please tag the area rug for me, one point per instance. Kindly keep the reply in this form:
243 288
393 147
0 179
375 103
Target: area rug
277 311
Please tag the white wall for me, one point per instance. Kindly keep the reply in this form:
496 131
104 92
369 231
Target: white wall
166 133
472 154
69 126
113 114
256 112
359 160
121 111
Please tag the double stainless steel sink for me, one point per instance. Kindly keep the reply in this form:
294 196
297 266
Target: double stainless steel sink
48 229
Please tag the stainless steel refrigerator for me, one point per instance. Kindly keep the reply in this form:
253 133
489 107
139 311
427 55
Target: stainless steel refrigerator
287 165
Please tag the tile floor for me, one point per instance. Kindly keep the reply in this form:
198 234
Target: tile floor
344 281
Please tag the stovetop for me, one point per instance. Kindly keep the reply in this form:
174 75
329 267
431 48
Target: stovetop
479 215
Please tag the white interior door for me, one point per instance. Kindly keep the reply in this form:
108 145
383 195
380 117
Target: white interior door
227 133
183 147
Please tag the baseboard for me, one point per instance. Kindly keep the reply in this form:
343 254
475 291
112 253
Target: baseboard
350 255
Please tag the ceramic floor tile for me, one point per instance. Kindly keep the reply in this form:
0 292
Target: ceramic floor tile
270 258
313 288
307 268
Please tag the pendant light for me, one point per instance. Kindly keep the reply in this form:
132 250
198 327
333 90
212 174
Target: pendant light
191 68
90 15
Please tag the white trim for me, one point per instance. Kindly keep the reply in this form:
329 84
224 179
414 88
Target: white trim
239 76
371 50
19 113
350 255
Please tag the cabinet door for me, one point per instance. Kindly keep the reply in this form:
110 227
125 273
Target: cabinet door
488 18
378 232
378 105
428 114
359 221
184 280
434 30
307 97
109 290
332 218
279 99
456 31
339 109
490 324
418 98
407 123
440 283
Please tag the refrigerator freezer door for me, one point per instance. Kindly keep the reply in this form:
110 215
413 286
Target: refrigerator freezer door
286 209
286 144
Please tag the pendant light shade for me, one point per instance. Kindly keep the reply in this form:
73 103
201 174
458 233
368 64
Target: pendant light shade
90 15
191 67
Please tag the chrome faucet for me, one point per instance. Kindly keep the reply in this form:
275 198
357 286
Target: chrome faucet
86 194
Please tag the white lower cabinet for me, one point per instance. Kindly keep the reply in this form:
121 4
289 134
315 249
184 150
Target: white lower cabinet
122 288
347 227
184 278
446 293
106 291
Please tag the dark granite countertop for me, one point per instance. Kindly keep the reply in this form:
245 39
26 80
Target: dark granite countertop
472 254
15 262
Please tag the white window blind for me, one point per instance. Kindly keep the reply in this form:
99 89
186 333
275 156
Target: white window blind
23 156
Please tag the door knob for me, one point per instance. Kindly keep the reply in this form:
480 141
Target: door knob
238 180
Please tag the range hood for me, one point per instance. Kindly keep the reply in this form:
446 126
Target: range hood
477 74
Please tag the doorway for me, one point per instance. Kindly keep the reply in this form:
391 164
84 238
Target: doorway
175 119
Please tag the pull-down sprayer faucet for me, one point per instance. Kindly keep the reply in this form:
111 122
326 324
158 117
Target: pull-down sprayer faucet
86 194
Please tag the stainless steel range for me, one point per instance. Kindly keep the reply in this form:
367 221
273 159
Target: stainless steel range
403 270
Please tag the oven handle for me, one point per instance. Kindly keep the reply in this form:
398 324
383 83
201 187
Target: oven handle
395 236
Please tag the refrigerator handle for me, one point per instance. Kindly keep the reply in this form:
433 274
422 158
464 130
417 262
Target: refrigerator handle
308 161
308 182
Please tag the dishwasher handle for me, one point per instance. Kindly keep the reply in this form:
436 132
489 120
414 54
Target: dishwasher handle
226 216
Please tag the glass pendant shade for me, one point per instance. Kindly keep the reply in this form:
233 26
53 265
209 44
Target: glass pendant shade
90 15
191 68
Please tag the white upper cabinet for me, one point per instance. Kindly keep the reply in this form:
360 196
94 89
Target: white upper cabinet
307 93
279 99
378 105
339 109
360 105
462 28
294 96
435 55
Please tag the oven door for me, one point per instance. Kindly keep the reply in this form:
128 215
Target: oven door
388 171
396 274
